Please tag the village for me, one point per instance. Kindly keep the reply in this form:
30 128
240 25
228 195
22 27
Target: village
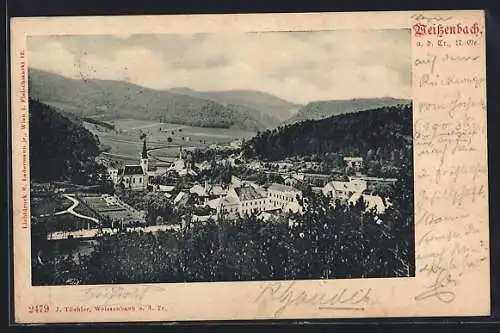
240 197
194 197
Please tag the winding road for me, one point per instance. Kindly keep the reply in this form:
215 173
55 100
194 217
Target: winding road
70 210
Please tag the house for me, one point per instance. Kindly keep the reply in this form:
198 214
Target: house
205 165
293 207
241 200
163 188
266 216
294 179
343 190
251 201
229 205
207 192
183 199
280 196
156 171
371 201
203 218
235 181
236 143
376 181
255 165
354 162
182 167
113 174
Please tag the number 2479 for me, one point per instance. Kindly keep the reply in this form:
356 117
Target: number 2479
38 308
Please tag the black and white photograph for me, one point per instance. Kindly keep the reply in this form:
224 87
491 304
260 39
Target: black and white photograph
219 157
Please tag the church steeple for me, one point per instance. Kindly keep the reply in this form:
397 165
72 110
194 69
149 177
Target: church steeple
144 160
144 150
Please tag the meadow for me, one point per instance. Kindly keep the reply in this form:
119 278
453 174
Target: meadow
126 141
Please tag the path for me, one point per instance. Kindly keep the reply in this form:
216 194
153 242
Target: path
95 233
70 210
156 125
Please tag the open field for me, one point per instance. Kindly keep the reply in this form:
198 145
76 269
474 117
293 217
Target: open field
110 207
125 139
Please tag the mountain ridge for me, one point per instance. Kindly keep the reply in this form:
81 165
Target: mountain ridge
119 99
258 101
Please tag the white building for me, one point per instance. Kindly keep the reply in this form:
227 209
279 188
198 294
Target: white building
294 179
236 143
135 177
354 162
282 197
371 201
182 167
208 191
343 190
244 199
113 174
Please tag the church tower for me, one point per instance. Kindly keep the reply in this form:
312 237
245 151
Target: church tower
144 158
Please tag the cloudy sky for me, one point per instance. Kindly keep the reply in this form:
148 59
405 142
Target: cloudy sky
297 66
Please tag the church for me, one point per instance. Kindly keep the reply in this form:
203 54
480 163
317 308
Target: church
135 177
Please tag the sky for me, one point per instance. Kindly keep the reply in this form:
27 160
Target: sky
297 66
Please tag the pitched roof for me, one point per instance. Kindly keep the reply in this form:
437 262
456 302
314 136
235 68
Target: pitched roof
133 170
248 193
342 186
228 201
282 188
198 189
371 201
179 197
213 203
294 207
185 172
165 188
217 190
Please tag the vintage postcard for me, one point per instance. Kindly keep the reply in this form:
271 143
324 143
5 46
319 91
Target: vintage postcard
239 167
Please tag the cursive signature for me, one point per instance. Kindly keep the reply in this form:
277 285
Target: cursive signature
345 299
117 293
440 289
429 19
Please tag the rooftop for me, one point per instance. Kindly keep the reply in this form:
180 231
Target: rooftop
342 186
133 170
248 193
282 188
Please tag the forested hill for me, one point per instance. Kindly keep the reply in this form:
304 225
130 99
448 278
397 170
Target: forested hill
384 133
110 99
324 109
255 102
60 148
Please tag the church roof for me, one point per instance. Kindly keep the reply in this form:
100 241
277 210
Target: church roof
133 170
